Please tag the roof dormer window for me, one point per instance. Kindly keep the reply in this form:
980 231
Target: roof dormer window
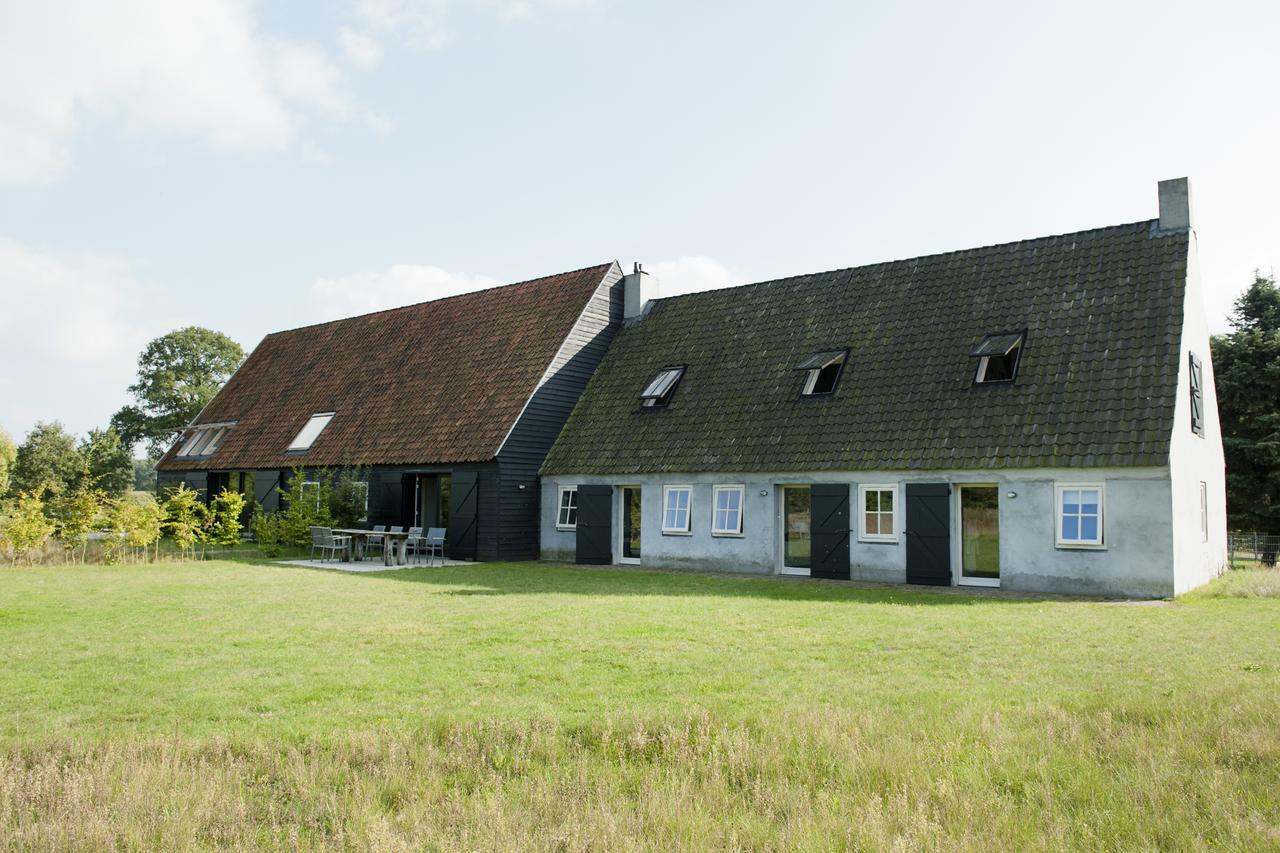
203 440
823 371
310 432
660 389
998 357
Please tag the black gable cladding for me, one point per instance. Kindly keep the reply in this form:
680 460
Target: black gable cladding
1096 385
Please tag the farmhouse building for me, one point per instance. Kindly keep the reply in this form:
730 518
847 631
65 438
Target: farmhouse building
1038 415
451 405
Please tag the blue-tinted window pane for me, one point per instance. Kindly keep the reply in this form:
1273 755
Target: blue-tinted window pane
1070 528
735 499
1089 502
1071 502
1089 528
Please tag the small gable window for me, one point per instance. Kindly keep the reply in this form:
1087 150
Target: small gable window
567 515
998 357
659 390
310 432
822 372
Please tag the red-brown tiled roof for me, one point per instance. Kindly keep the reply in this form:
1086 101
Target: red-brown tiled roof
435 383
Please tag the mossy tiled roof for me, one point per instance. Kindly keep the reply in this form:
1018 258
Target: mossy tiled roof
1096 385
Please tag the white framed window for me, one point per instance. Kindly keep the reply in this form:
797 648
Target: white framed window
363 488
1204 511
1081 514
311 487
726 516
567 508
877 513
310 431
675 509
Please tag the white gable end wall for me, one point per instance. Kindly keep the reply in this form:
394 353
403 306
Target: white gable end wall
1194 459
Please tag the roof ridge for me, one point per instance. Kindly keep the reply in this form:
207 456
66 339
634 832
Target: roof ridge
278 332
861 267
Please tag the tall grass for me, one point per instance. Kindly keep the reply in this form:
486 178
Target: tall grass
1040 778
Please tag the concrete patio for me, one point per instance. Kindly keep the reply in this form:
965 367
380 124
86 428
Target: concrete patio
370 565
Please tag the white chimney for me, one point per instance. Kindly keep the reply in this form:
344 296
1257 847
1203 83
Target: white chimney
641 289
1175 205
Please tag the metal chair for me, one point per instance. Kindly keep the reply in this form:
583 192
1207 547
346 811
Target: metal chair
322 539
435 544
371 540
415 542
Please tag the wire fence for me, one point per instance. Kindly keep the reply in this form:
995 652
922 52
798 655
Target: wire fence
1253 550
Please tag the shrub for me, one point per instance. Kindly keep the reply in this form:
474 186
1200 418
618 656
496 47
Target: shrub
305 507
184 518
266 530
224 518
79 514
135 523
25 528
349 497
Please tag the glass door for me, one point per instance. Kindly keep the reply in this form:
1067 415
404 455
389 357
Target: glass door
980 535
797 530
630 527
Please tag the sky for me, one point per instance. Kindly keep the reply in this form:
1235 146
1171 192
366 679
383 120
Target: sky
255 166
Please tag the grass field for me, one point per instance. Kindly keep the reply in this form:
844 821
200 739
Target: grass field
498 706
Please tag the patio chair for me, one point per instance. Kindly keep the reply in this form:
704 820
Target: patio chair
322 540
415 542
372 541
435 544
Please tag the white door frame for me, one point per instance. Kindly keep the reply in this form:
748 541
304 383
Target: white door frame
957 536
781 566
620 509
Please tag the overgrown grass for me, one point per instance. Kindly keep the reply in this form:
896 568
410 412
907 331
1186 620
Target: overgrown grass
231 705
1243 583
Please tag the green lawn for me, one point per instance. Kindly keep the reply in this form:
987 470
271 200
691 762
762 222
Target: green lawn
232 704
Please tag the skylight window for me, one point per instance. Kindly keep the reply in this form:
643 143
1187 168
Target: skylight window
998 357
203 440
823 371
309 433
659 391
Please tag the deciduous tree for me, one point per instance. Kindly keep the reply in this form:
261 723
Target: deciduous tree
178 374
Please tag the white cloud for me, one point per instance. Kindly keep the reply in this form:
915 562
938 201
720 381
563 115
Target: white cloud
691 275
426 23
360 50
402 284
67 341
193 67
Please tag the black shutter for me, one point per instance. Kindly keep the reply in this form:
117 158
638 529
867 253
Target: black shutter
928 533
1197 396
830 508
460 539
595 525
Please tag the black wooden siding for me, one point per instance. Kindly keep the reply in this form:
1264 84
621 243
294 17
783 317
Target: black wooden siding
544 415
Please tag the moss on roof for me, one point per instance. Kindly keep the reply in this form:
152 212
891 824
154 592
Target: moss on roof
1096 385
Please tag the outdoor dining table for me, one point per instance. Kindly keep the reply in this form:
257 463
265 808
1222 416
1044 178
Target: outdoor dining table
394 545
